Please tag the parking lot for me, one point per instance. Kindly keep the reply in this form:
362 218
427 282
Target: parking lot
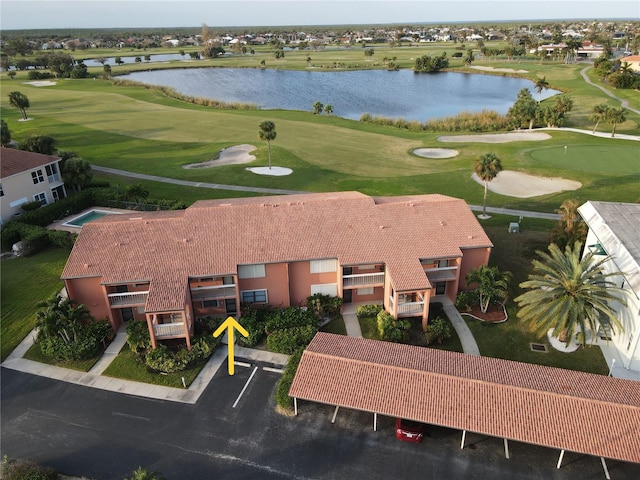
234 432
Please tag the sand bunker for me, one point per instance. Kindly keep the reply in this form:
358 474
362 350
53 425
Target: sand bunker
273 171
228 156
497 137
522 185
42 83
435 152
505 70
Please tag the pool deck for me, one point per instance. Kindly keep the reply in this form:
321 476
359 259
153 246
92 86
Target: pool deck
60 224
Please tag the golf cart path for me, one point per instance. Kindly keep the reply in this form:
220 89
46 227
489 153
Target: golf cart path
624 103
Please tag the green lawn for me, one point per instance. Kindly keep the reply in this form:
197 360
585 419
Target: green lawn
26 281
127 367
336 326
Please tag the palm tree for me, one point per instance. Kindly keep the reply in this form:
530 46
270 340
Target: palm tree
570 228
487 168
615 116
328 109
77 173
541 84
317 107
569 294
267 132
492 284
19 101
598 114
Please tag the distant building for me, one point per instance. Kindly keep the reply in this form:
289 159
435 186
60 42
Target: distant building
28 177
633 61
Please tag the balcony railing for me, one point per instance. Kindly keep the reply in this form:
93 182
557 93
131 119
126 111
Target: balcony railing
55 178
363 280
128 299
442 274
169 329
410 308
211 293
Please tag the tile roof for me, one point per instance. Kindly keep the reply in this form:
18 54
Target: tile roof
213 237
14 161
529 403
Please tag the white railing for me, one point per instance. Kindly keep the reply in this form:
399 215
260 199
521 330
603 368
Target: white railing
169 329
411 308
442 273
217 291
363 280
127 299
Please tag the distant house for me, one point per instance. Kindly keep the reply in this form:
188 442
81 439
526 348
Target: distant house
614 229
633 61
28 177
172 268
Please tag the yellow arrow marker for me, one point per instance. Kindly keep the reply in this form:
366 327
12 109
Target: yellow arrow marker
230 324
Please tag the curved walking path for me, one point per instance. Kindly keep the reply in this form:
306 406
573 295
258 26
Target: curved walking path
624 103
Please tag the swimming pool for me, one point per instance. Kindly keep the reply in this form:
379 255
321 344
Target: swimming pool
87 217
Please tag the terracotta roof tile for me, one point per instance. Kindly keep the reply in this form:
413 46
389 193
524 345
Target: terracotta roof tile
213 237
14 161
518 401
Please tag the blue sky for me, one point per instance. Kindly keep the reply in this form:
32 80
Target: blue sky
25 14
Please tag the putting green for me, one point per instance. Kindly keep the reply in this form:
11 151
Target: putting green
601 159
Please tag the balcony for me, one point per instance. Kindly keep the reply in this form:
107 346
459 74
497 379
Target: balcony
363 280
409 309
443 274
55 178
213 293
169 330
128 299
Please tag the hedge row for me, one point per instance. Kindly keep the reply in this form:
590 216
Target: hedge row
284 385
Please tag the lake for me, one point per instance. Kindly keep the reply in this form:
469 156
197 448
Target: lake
400 94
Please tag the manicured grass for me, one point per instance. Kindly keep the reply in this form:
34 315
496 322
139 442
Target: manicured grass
127 367
510 341
336 326
36 355
26 281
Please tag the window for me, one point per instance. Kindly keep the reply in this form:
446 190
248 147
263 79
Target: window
40 197
209 303
324 266
443 263
252 271
441 288
254 296
366 267
37 177
330 289
52 173
365 291
1 191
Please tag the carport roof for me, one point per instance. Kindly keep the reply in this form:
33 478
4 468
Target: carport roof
563 409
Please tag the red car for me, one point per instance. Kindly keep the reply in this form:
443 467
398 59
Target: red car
409 431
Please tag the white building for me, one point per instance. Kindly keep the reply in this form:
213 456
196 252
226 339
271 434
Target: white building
614 229
28 177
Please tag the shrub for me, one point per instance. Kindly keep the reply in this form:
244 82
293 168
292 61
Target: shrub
30 206
289 340
37 75
163 360
464 300
284 385
138 337
144 474
253 320
287 318
324 306
25 470
438 330
368 311
84 345
392 330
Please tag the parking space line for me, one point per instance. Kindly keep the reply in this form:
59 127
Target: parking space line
255 369
242 364
274 370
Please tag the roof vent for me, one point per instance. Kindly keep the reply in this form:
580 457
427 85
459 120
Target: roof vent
86 265
470 237
442 223
185 240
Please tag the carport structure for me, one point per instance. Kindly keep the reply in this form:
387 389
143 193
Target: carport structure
550 407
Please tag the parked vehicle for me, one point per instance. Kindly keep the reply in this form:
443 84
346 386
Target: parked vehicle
409 431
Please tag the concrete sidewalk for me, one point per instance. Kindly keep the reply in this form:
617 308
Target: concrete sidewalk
94 378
